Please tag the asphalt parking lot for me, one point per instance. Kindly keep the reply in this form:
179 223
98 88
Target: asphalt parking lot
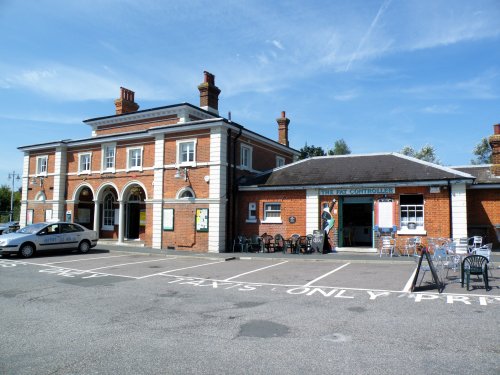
353 313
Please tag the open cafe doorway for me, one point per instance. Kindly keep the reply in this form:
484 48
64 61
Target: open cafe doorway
356 221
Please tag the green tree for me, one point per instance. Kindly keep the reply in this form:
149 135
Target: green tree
426 153
310 151
5 194
339 148
482 152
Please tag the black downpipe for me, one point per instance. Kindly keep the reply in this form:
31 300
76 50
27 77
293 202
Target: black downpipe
228 193
234 188
450 195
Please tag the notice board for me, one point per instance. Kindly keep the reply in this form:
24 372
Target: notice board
385 213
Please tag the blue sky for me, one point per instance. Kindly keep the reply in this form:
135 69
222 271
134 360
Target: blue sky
379 74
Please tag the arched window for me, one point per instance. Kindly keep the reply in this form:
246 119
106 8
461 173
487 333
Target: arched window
185 193
108 212
40 196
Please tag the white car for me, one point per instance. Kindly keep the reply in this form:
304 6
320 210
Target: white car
47 236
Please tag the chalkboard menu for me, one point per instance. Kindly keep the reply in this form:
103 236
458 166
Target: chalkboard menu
317 241
437 283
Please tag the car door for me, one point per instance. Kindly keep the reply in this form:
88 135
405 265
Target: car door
50 238
71 236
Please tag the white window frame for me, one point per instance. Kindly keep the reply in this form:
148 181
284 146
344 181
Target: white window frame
268 209
280 161
80 165
412 208
252 212
42 160
104 167
190 163
130 151
246 161
108 214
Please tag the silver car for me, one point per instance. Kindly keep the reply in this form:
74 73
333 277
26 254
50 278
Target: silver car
47 236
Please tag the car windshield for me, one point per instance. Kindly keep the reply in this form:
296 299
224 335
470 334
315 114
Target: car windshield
31 228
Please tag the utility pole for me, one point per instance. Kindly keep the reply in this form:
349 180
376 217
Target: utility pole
12 176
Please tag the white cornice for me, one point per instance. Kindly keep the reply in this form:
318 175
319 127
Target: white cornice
182 111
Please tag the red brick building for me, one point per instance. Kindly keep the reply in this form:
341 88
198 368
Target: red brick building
165 177
390 191
183 177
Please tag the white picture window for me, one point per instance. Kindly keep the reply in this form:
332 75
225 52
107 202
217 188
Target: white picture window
411 211
280 161
84 162
246 157
108 157
41 165
272 212
186 152
134 158
108 215
252 212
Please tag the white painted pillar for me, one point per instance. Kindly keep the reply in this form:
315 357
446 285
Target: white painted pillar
459 210
97 215
158 191
217 190
59 183
312 210
121 221
24 196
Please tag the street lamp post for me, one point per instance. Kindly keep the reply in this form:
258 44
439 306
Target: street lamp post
12 176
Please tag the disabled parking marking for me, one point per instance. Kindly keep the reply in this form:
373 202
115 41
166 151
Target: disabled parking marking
84 259
325 275
180 269
257 270
130 263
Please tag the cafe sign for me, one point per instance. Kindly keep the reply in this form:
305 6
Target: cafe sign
359 191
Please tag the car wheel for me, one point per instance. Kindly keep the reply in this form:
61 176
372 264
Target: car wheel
84 247
27 250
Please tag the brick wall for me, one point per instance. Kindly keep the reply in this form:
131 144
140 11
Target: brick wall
135 126
293 203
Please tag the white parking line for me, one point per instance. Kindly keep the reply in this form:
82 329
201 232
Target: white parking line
180 269
79 260
259 269
410 282
325 275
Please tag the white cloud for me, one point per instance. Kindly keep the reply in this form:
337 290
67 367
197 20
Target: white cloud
346 96
441 109
277 44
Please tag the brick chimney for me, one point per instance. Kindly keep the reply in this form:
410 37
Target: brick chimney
126 104
209 94
283 129
495 150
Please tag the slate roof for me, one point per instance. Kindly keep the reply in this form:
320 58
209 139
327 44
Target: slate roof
481 172
355 169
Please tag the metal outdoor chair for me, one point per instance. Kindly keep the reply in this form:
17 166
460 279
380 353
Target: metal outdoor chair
474 242
411 245
240 243
279 243
387 246
267 242
293 243
475 265
255 243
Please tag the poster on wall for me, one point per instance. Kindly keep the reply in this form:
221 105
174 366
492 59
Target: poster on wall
142 218
48 215
29 216
385 213
202 219
168 219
